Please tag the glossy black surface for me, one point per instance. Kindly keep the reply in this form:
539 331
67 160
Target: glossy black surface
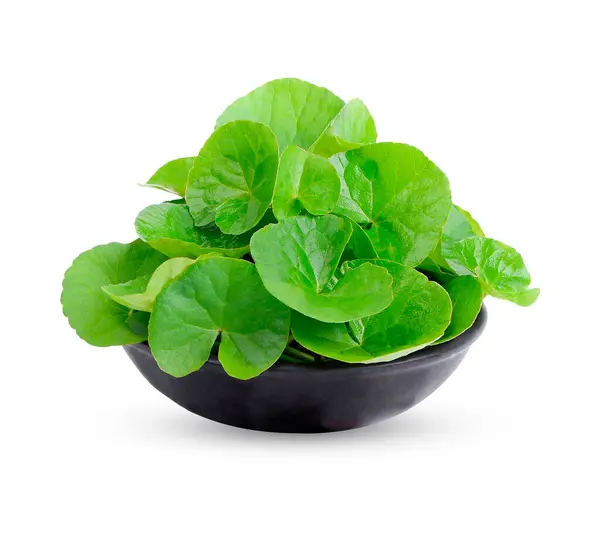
295 398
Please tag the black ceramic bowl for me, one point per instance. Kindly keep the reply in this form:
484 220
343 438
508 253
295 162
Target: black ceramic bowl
311 398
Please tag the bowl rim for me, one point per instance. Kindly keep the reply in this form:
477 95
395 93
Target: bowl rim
427 356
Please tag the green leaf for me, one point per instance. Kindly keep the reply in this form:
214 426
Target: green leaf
233 177
466 294
170 229
433 271
97 318
297 111
404 197
351 128
475 228
172 177
359 246
459 225
418 315
140 294
498 267
304 180
297 260
138 323
218 296
356 197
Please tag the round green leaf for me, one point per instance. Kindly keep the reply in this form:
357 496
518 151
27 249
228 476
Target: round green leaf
97 318
418 315
466 295
233 177
498 267
403 196
218 296
297 260
304 181
170 229
172 177
297 111
140 294
351 128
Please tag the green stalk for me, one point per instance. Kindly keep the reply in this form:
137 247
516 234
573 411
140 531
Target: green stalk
284 357
299 354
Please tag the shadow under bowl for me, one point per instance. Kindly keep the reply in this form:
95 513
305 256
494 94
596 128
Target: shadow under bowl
311 398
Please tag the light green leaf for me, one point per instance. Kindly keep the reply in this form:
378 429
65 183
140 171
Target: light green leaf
418 315
404 196
466 294
356 197
97 318
233 177
170 229
297 111
475 228
498 267
140 294
297 260
172 177
459 225
218 296
351 128
304 180
522 298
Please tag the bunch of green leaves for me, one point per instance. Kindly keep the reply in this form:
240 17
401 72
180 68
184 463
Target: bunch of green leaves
295 237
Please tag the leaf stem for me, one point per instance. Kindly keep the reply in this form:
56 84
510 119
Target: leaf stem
288 358
299 354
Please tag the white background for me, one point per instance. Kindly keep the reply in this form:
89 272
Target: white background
503 96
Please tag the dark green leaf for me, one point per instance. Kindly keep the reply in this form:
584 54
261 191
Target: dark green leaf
138 323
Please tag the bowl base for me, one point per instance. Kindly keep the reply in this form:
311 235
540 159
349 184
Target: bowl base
310 398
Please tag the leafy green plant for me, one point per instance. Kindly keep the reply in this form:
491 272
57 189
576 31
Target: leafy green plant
297 238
